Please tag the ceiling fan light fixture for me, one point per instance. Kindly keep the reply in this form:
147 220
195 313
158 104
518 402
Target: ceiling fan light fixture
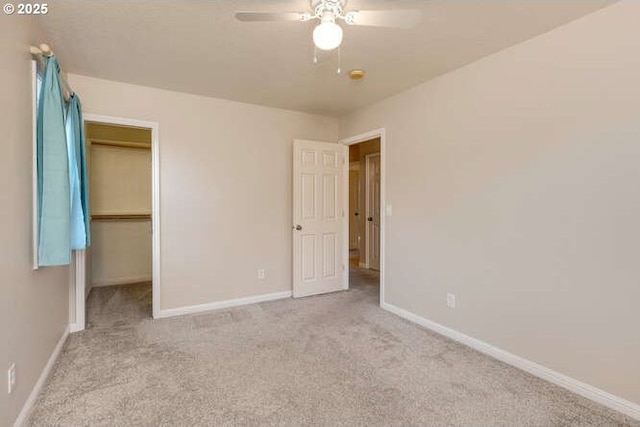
327 35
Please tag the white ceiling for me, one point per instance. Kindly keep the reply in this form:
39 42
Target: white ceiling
196 46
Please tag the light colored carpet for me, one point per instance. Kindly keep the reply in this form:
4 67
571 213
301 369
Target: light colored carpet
330 360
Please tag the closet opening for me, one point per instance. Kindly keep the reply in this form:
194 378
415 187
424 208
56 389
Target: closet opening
119 262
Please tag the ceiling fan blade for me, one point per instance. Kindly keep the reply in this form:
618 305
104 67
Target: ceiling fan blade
269 16
385 18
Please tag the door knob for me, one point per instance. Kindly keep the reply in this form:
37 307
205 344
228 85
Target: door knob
298 227
370 218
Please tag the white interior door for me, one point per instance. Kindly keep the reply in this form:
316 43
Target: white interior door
373 211
354 208
318 215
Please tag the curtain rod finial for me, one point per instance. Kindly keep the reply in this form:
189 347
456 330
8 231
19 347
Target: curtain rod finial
45 49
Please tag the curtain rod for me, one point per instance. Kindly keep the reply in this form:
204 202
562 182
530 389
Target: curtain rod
45 50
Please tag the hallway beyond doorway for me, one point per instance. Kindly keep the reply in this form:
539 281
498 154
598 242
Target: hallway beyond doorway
367 280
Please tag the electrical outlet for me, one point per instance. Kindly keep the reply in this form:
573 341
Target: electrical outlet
11 378
261 274
451 300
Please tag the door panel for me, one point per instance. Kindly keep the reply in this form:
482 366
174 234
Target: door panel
308 196
318 217
308 248
329 245
354 209
329 194
373 211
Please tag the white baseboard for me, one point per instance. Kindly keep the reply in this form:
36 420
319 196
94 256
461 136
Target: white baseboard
585 390
170 312
23 416
73 327
123 280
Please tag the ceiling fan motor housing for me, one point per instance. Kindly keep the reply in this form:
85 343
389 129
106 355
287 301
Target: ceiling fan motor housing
322 7
316 3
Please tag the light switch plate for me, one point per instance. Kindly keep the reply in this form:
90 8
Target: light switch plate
11 378
451 300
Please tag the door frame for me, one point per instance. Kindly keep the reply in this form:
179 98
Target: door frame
356 139
367 198
355 166
79 269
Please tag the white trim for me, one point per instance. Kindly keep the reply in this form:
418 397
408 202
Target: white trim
74 327
34 164
376 133
367 201
585 390
155 209
123 280
81 292
179 311
345 219
23 416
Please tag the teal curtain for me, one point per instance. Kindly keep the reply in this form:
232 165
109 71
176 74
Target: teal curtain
80 217
54 207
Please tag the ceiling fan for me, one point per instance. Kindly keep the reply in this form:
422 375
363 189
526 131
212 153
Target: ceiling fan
327 35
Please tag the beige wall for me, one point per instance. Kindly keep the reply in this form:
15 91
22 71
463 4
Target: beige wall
120 252
225 177
34 304
120 180
514 183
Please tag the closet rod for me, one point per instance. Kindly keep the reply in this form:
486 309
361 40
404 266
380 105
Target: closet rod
121 144
121 217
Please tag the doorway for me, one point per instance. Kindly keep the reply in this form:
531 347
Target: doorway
364 211
119 258
116 279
